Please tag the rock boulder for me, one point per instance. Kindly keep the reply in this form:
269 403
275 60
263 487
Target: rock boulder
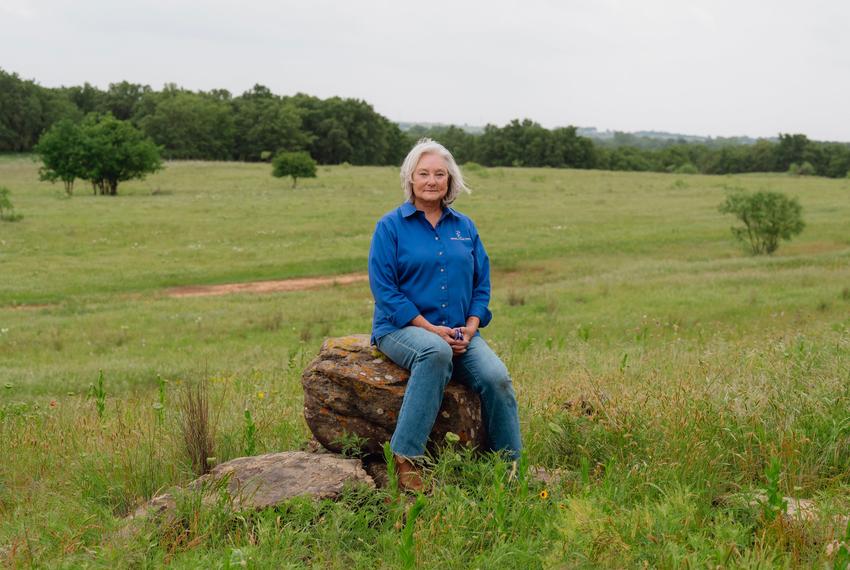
351 389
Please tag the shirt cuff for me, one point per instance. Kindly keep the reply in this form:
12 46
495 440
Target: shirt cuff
404 315
483 313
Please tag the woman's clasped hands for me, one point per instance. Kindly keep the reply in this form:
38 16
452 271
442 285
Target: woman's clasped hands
457 338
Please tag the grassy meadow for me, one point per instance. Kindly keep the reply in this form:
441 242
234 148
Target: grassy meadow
703 366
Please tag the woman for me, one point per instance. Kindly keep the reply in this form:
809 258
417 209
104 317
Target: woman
430 277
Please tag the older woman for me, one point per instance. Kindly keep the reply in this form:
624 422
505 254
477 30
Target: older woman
430 277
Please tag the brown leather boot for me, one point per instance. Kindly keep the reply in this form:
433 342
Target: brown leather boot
409 477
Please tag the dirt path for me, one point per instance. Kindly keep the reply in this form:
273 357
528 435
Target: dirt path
265 286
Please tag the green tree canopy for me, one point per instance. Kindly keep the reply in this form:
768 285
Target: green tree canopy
295 164
191 125
114 151
61 152
265 122
766 216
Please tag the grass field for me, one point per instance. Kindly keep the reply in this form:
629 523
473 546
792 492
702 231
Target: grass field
704 365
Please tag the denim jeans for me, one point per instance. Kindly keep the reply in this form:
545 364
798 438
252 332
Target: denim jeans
432 364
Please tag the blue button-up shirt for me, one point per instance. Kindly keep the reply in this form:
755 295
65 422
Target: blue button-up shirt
441 273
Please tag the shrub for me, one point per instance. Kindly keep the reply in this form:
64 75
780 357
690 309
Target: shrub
804 169
7 210
687 168
767 218
294 164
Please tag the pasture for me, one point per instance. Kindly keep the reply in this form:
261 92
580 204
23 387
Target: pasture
702 365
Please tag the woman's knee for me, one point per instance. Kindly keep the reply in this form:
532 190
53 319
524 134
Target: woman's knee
435 350
494 379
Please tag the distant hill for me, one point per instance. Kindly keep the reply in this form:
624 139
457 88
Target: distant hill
650 139
654 138
406 126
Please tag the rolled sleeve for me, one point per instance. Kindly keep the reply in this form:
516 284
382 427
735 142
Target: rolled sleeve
383 278
478 306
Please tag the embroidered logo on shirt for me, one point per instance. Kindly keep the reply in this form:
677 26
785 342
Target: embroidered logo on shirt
459 238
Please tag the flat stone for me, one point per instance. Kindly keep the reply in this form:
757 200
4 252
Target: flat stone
263 481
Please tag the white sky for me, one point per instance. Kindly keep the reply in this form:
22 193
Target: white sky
708 67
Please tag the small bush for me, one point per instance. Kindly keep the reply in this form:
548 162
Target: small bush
804 169
7 210
687 168
767 218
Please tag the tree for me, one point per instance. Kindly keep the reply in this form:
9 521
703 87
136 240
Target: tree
121 99
767 218
27 110
60 150
113 151
265 122
294 164
191 125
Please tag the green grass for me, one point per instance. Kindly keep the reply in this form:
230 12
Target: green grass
626 290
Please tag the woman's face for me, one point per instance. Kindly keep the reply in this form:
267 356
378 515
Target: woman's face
430 180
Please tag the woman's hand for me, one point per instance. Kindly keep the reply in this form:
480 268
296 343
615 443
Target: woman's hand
457 338
445 333
460 345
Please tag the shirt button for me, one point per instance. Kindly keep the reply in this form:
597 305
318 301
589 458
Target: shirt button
444 305
439 253
436 237
443 287
442 269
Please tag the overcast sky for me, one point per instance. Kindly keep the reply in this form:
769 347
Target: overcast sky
707 67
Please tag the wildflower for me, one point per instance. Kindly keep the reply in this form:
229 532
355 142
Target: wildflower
261 395
544 494
52 403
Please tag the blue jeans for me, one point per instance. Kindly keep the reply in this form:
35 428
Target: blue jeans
432 364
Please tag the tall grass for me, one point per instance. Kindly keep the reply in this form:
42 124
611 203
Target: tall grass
659 370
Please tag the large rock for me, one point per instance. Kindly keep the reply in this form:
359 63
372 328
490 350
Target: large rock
351 388
263 481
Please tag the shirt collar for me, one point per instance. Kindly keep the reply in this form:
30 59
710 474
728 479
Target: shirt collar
408 209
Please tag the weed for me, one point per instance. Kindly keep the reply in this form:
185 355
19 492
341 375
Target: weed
159 405
98 393
197 427
392 473
408 557
775 505
249 438
272 323
515 299
842 555
351 444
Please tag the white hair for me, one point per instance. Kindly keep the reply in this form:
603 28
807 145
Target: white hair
428 146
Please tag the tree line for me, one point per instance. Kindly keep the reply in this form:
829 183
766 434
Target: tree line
256 125
526 143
